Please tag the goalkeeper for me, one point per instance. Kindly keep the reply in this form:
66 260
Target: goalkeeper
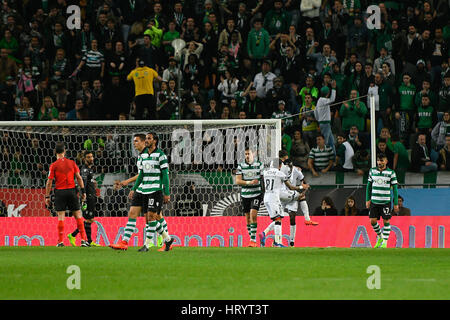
88 208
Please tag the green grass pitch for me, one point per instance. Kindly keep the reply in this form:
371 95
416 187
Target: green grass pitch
224 273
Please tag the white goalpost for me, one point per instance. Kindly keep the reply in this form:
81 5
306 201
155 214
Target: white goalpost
203 157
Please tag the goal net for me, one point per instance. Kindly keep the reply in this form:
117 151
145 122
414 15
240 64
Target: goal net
203 157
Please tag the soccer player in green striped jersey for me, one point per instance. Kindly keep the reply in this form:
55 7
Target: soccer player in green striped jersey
153 180
139 201
248 176
378 198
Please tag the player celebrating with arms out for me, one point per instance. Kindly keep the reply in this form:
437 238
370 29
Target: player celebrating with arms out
378 198
63 171
87 173
248 175
153 180
289 198
273 182
139 200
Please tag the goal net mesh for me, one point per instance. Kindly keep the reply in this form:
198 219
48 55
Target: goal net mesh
203 157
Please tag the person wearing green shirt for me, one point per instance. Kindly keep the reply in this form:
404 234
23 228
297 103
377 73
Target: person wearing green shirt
308 122
407 92
406 95
426 117
286 140
426 90
353 112
48 111
401 158
154 32
10 43
277 20
168 37
258 42
309 88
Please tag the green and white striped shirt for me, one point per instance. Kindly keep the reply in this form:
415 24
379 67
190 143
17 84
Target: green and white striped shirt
321 157
151 166
381 183
250 172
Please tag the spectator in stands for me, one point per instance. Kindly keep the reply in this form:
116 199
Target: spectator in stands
358 139
258 42
48 111
93 63
426 118
403 211
440 131
425 86
307 120
8 66
361 162
382 147
322 113
24 111
444 155
444 96
263 80
421 157
228 86
326 208
350 208
353 112
281 92
282 113
321 158
299 151
253 104
7 96
401 158
344 154
384 58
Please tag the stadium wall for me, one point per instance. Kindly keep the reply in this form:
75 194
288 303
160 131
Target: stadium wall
345 232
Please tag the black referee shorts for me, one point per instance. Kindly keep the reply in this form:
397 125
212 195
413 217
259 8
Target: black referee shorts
66 199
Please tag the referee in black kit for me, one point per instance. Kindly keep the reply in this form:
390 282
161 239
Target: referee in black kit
88 208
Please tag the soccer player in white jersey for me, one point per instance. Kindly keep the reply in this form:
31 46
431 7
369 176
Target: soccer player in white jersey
288 199
274 179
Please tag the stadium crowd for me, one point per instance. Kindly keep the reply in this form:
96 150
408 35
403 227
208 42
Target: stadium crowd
249 59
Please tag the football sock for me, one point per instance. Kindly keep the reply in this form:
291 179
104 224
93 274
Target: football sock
163 223
376 228
164 231
253 228
386 231
269 227
150 232
87 228
148 235
129 229
249 230
80 227
159 228
292 235
277 231
75 233
60 231
305 209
